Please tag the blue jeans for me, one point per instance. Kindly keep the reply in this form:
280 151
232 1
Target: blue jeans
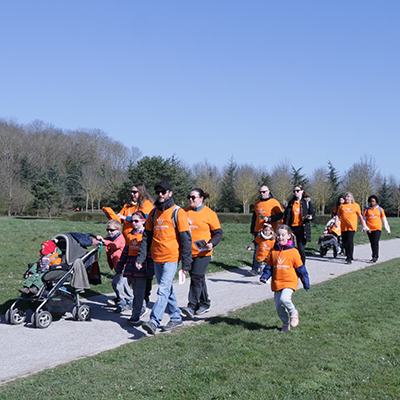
166 301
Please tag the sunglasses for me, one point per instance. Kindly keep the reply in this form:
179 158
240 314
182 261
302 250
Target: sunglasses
137 220
110 230
192 197
296 190
264 191
160 191
134 191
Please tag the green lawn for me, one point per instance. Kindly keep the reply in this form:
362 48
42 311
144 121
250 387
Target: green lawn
21 239
345 347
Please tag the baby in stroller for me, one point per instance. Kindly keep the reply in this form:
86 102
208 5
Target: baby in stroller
331 238
49 255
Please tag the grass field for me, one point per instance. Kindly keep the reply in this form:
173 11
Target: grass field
21 239
345 347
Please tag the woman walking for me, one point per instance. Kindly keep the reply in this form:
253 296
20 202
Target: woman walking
374 215
348 213
206 234
298 215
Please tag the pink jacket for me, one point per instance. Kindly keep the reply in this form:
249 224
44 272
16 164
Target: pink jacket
114 250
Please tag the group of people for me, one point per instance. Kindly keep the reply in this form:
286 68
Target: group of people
157 235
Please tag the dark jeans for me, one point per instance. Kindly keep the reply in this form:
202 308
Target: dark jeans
198 295
374 237
141 294
301 241
348 244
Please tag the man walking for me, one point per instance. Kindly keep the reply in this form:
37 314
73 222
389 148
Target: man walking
266 209
167 235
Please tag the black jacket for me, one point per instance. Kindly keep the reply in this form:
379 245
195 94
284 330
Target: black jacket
306 209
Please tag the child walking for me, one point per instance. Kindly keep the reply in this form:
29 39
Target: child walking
115 243
285 266
263 242
140 278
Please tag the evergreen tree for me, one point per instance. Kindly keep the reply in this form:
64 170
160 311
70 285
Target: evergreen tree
228 201
385 196
298 178
46 194
334 180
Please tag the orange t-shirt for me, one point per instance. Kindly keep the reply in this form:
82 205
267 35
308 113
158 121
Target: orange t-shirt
348 216
297 217
133 241
264 246
266 208
374 215
165 244
283 265
201 224
129 209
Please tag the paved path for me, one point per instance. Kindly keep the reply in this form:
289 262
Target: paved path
66 340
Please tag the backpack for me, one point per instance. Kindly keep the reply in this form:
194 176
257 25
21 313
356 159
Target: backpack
380 211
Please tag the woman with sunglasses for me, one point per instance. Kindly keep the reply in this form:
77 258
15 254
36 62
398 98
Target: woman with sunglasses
140 201
298 215
206 233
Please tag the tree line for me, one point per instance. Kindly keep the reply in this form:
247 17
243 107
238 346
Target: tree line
46 170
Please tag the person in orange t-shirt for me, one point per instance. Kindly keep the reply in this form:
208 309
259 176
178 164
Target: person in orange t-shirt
348 213
167 235
140 201
374 215
298 215
285 266
263 243
206 234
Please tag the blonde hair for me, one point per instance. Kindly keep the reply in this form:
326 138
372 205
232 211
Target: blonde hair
113 223
289 231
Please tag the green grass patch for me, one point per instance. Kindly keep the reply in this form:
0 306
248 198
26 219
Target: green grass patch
345 347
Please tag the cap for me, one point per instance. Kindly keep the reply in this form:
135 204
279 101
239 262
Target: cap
163 184
49 247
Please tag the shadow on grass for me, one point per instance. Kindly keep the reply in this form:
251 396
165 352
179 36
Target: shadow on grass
251 326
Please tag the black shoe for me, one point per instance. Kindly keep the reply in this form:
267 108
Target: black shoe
24 290
150 327
348 262
172 325
187 312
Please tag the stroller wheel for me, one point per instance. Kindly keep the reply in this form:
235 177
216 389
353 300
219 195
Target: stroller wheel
8 316
83 313
43 319
16 316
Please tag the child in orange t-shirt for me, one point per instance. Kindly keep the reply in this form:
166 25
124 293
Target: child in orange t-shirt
285 266
264 242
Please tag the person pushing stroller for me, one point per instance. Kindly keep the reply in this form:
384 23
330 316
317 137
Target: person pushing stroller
331 238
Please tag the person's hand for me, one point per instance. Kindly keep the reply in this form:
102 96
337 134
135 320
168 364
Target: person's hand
209 246
248 248
139 266
99 238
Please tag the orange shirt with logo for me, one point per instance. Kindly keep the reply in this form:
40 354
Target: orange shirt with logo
283 265
201 224
165 244
264 209
297 217
133 241
129 209
264 246
348 216
374 215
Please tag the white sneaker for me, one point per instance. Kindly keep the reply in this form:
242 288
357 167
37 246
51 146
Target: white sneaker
294 319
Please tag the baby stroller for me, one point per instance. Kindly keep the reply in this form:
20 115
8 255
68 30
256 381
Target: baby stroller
330 239
63 283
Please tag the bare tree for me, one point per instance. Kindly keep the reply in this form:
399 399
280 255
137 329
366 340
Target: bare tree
208 178
281 181
360 179
247 185
12 139
321 189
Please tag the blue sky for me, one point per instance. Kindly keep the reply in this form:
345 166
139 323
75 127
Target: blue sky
259 80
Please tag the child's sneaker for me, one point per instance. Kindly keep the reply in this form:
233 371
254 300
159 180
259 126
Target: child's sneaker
294 319
135 320
285 328
252 272
122 306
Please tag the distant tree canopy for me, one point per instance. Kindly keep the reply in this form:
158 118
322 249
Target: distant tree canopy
45 170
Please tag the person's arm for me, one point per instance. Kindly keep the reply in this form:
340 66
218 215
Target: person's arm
364 225
253 222
216 236
386 225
